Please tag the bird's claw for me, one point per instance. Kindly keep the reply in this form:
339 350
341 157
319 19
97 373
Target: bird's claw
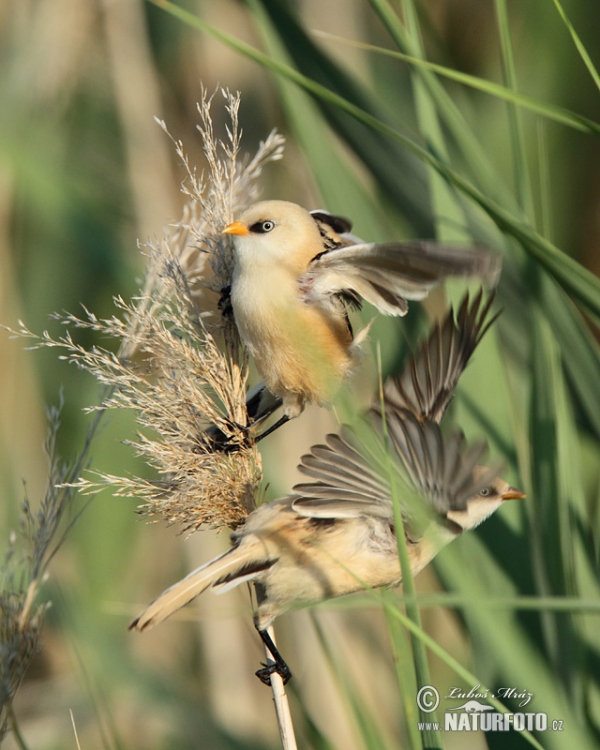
227 445
264 674
219 442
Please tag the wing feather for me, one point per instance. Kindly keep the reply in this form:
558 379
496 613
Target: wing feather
347 484
388 274
439 468
426 385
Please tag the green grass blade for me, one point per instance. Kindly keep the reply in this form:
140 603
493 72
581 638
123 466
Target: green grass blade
467 676
519 151
451 223
552 112
561 555
590 605
386 161
579 45
484 174
405 675
431 738
368 726
545 222
505 648
329 167
580 350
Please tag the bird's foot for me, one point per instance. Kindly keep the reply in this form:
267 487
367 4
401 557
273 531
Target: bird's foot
280 668
278 664
218 442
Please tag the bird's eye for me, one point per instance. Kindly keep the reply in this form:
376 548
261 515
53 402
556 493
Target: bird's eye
485 491
262 227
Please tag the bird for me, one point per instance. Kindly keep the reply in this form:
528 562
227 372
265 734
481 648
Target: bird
336 534
295 275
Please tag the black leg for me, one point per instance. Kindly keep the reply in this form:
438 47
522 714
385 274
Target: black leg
217 442
281 421
279 666
215 438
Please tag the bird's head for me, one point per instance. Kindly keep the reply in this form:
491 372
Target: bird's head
485 502
276 232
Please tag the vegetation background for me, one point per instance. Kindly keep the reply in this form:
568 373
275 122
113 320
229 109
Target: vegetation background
85 171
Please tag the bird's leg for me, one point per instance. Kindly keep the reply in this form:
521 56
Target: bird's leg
278 665
281 421
219 442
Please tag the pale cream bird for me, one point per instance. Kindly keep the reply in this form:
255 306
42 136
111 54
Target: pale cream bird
296 273
335 534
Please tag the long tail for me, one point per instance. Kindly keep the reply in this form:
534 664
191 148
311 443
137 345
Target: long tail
226 571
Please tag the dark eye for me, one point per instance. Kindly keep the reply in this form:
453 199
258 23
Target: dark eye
262 227
485 491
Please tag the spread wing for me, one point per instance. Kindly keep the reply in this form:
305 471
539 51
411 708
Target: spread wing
348 484
441 467
388 274
426 385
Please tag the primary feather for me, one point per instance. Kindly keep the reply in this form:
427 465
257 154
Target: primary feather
389 274
426 385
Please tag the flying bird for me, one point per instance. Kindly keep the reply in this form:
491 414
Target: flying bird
335 533
295 275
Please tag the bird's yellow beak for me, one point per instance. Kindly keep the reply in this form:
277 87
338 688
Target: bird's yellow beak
512 493
236 228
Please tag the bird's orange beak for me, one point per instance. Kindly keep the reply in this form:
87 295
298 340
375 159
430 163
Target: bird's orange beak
236 228
512 493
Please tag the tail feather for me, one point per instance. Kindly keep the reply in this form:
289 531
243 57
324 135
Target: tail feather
232 567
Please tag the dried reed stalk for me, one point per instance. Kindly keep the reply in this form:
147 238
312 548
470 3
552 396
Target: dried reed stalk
179 364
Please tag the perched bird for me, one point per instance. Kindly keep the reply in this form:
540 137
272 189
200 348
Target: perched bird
295 274
336 533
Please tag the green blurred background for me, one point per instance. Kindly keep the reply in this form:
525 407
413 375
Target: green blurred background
85 172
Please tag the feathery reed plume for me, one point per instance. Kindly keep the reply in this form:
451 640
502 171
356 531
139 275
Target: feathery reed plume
171 366
22 572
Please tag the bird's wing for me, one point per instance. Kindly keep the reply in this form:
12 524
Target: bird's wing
388 274
349 483
426 385
441 467
346 484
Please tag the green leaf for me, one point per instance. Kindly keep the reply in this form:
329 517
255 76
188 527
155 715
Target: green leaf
552 112
579 45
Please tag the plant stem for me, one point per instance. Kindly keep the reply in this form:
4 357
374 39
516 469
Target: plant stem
14 726
282 706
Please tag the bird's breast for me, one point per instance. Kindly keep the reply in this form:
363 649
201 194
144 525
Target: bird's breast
298 348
